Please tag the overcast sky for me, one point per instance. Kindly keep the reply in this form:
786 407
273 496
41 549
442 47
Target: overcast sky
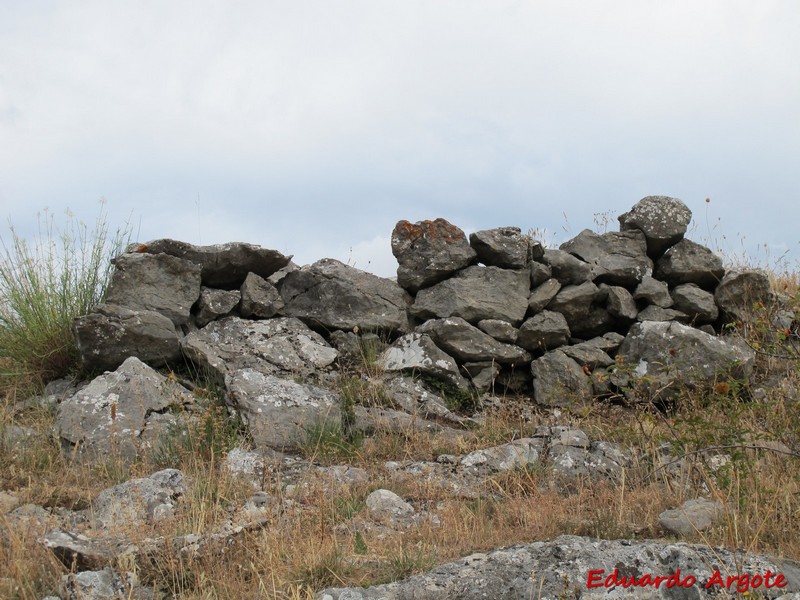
312 127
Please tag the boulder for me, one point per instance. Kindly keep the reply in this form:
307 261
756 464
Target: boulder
662 219
467 343
260 299
428 252
502 331
739 291
522 453
161 283
689 262
691 517
540 273
273 346
280 413
616 258
568 269
332 295
504 247
697 304
384 506
417 353
560 381
653 291
662 357
138 502
110 334
214 304
542 295
477 293
575 302
544 331
222 265
656 313
109 417
620 304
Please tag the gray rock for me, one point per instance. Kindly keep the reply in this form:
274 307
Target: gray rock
568 269
689 262
279 413
214 304
415 399
575 303
223 265
739 291
260 299
417 353
617 258
111 334
108 417
691 517
499 330
138 502
656 313
544 331
653 291
277 345
559 381
84 553
540 273
620 304
698 305
561 568
477 293
385 506
572 456
521 453
662 219
543 295
504 247
481 374
588 354
278 275
665 356
332 295
361 348
161 283
105 584
467 343
429 252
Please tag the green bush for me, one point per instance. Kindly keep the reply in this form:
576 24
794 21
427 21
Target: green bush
44 285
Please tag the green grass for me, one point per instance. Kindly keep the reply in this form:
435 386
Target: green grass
44 284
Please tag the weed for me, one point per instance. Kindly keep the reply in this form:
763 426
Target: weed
328 442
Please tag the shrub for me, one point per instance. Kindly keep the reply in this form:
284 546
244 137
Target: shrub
44 285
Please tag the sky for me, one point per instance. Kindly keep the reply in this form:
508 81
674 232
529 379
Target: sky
312 127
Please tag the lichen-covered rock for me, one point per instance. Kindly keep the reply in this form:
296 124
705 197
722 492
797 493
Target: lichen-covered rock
465 342
543 331
138 502
559 381
260 299
332 295
428 252
616 258
740 292
689 262
662 219
416 352
521 453
214 304
691 517
697 304
504 247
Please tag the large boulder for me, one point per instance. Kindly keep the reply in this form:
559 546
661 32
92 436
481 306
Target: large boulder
617 258
477 293
110 334
568 269
559 381
260 299
695 303
332 295
662 219
740 291
575 302
543 331
138 502
467 343
214 304
417 353
223 265
663 357
428 252
690 262
161 283
280 413
504 247
110 417
284 345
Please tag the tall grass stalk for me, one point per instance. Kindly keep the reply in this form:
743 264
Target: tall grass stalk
44 284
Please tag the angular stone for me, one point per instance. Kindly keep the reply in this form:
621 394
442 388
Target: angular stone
667 356
698 305
560 381
414 398
653 291
502 331
689 262
385 506
138 502
522 453
482 375
223 265
656 313
279 413
587 354
417 353
575 302
108 417
542 295
331 295
568 269
477 293
161 283
740 291
467 343
504 247
214 304
540 273
260 299
617 258
620 303
111 334
662 219
692 517
272 346
429 252
544 331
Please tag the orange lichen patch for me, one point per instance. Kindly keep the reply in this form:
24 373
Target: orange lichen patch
140 248
436 229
